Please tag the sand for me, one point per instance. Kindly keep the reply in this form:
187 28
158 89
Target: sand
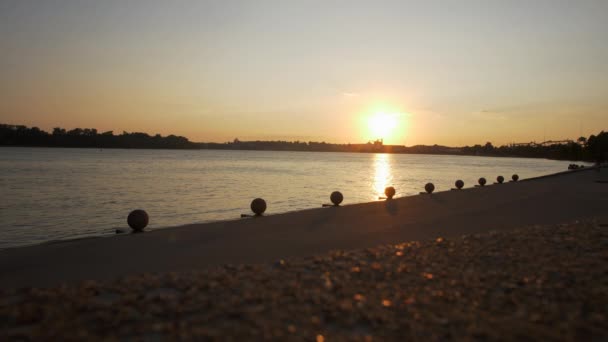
547 200
541 282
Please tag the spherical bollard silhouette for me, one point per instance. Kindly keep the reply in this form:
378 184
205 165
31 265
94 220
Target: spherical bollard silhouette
138 220
336 198
500 179
515 177
258 206
389 192
482 181
429 187
459 184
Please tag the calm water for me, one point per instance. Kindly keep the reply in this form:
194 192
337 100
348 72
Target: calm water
49 194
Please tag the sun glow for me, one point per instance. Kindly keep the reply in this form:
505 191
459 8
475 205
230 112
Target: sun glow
383 125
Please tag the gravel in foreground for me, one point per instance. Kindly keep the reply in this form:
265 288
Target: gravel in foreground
547 283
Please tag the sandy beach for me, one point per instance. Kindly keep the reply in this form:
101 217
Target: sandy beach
514 260
539 282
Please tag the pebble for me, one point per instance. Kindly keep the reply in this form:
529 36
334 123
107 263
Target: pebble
539 283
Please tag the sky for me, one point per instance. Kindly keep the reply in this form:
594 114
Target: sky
410 72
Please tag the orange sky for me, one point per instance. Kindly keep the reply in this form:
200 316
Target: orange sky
451 73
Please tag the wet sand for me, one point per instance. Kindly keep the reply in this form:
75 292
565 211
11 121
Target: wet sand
547 200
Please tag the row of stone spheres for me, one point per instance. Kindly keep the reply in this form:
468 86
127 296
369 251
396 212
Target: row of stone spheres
138 219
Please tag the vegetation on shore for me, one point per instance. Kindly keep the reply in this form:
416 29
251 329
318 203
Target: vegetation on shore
12 135
593 148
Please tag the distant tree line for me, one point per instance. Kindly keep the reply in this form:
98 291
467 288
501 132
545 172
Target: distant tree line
593 148
17 135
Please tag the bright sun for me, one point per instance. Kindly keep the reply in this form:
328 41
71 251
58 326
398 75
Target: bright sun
383 125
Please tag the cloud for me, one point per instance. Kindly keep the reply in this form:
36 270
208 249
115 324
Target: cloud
488 114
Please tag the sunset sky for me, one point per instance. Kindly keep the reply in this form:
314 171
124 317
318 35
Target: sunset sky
444 72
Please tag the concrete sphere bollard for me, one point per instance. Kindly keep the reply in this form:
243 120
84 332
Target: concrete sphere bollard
258 206
429 187
336 198
389 192
500 179
515 177
482 181
459 184
138 220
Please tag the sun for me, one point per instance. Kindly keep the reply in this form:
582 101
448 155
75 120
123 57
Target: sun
383 125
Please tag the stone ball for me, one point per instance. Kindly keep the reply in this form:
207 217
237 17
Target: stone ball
482 181
500 179
336 197
429 187
459 184
138 220
258 206
389 192
515 177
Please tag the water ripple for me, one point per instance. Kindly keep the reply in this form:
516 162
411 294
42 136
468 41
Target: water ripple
50 194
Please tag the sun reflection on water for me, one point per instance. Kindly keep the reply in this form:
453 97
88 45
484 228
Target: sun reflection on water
382 174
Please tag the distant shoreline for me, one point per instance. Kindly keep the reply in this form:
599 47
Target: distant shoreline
591 149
